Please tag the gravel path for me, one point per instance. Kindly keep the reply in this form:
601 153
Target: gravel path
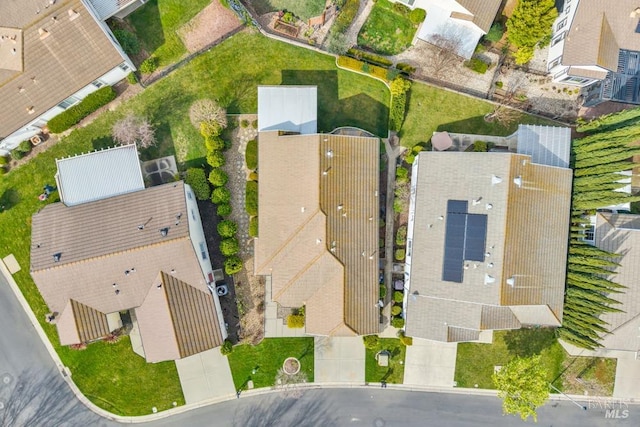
363 13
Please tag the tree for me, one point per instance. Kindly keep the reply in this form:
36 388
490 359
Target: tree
133 129
218 177
445 57
522 383
531 25
229 246
227 228
338 43
208 111
197 180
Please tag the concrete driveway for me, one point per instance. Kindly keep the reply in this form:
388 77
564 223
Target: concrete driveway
430 363
627 379
205 376
339 359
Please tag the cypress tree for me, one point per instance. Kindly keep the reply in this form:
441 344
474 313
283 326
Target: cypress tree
609 121
607 157
600 169
589 250
592 260
587 181
577 339
615 199
588 278
591 296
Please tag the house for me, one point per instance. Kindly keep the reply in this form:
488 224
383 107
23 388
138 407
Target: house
597 45
486 244
455 25
318 210
130 253
52 55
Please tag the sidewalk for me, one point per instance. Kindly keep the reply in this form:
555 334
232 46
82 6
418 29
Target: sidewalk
354 29
204 376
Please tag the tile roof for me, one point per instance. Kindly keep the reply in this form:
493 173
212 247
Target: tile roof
483 11
99 175
620 233
91 323
324 233
288 108
73 54
527 206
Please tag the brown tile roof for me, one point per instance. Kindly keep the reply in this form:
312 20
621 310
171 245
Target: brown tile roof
483 11
91 323
337 209
74 54
526 239
599 31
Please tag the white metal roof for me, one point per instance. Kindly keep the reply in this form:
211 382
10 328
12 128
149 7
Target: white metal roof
99 175
288 108
547 145
107 8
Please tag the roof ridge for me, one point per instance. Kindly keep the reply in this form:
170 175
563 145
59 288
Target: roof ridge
300 273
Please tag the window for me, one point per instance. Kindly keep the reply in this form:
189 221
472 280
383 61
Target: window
562 24
68 102
203 250
98 83
589 234
189 196
555 62
576 80
124 66
567 9
193 214
558 38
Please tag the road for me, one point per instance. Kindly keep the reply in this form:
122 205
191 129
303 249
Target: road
35 395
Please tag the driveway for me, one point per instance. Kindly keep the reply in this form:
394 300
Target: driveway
627 379
430 363
205 376
339 359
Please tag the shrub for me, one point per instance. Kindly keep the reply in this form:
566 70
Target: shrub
401 9
3 170
220 195
226 347
338 43
370 57
253 176
251 198
251 154
218 177
227 228
405 339
410 158
132 78
254 124
397 322
402 175
405 68
371 341
253 226
244 123
499 84
480 147
20 151
210 112
214 143
346 16
149 65
197 180
74 114
398 296
229 246
398 206
128 41
396 310
401 235
417 15
224 209
3 160
216 158
477 65
295 321
383 291
495 33
399 254
232 265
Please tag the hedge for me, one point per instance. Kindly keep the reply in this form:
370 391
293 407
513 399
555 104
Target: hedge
369 57
406 68
477 65
220 195
224 209
371 341
396 113
229 246
216 159
295 321
253 226
73 115
354 64
232 265
346 16
227 228
128 41
251 198
197 179
251 154
218 177
417 15
20 151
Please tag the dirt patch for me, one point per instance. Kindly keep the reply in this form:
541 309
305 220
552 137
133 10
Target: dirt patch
212 23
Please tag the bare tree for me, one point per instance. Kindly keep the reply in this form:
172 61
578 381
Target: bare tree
502 114
445 57
133 129
208 111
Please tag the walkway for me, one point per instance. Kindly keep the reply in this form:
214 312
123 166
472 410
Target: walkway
627 383
363 13
430 363
205 376
274 326
339 359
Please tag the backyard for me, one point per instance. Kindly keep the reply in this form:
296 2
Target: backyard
394 373
386 30
302 9
260 363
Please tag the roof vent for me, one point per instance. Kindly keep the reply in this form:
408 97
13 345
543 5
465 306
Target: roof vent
14 51
495 180
164 231
511 281
489 279
635 13
330 153
73 14
490 265
318 241
302 209
518 181
43 33
489 206
21 89
326 171
30 110
340 206
57 256
141 227
476 201
372 255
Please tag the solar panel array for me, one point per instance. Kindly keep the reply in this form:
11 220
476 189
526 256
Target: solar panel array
465 238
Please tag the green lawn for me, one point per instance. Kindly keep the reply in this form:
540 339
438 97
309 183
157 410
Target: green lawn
303 9
156 24
394 373
386 31
475 362
266 358
432 109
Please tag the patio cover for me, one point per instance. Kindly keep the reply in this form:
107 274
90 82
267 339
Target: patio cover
441 141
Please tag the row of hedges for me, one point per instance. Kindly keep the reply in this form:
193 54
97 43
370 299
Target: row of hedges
399 89
354 64
73 115
251 189
397 321
372 58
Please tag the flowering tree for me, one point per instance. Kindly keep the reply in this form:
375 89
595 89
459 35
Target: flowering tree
133 129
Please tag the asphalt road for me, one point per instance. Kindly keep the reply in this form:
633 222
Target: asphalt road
33 394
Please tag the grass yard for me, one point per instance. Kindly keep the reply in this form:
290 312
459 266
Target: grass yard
302 9
386 31
156 24
394 373
266 358
432 109
475 362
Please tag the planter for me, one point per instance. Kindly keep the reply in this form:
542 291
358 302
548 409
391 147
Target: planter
291 366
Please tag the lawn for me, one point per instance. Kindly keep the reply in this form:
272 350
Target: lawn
386 31
266 358
433 109
475 362
302 9
156 24
394 373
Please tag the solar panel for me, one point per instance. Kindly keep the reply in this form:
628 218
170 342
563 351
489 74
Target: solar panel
457 206
475 237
